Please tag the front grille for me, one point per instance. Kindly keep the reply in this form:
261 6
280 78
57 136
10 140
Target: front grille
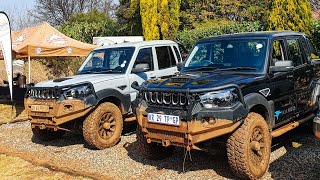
43 93
167 99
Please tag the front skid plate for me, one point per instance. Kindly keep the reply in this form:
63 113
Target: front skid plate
188 133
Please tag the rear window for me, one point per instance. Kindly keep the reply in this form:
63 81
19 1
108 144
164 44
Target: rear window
165 57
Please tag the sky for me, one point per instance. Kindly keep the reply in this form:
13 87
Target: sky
17 10
10 4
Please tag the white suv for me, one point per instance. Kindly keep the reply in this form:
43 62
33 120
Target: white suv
99 97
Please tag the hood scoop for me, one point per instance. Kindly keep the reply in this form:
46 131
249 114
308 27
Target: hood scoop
61 79
183 78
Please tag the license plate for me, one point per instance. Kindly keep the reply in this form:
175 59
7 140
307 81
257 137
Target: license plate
39 108
164 119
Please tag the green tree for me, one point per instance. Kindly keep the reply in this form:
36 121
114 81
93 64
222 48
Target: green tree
128 15
292 15
85 26
189 37
168 18
208 13
159 18
149 18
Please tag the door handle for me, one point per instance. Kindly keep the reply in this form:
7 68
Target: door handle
153 77
290 76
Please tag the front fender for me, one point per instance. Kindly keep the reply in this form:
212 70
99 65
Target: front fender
254 99
112 93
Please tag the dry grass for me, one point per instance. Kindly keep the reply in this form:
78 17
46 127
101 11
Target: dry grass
9 113
42 70
39 72
16 168
3 74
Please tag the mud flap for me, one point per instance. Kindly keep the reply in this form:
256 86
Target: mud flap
316 126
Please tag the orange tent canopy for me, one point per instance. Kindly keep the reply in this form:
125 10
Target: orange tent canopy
45 41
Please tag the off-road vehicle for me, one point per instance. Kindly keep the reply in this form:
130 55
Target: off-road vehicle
247 87
99 97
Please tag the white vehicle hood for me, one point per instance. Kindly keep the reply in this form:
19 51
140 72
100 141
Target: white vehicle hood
77 79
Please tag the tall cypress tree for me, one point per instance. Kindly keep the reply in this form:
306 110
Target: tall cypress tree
292 15
160 18
149 18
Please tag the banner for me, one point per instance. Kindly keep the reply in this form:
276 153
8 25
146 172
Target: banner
6 46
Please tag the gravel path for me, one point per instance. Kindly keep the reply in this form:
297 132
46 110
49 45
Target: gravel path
294 156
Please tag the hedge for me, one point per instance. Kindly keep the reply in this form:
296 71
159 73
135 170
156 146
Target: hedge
189 37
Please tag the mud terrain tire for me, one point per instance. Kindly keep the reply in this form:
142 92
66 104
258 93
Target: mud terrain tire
152 150
249 147
46 134
102 128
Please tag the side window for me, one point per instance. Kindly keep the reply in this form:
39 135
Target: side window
165 57
177 53
294 53
277 51
145 56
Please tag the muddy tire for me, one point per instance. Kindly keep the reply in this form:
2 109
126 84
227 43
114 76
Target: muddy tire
102 128
249 147
47 134
152 150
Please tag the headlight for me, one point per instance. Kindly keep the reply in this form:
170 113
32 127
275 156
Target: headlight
77 92
222 98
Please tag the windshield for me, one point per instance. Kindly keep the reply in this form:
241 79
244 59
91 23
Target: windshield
110 60
237 54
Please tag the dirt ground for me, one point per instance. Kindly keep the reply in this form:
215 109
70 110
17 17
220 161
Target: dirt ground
294 156
17 168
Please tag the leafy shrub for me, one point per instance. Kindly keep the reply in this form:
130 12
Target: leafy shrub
316 31
85 26
189 37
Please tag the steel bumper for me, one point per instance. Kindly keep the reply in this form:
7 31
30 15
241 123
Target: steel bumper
59 112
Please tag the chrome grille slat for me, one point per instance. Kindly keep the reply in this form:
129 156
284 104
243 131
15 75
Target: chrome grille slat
166 99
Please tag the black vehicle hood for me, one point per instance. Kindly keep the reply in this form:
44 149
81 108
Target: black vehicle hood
202 80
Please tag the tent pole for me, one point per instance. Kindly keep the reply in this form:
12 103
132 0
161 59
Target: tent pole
29 68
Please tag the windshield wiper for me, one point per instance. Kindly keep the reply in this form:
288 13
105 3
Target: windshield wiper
201 68
86 72
101 72
107 71
238 68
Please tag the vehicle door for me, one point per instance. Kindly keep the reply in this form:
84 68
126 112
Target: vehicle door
144 56
166 62
303 72
281 85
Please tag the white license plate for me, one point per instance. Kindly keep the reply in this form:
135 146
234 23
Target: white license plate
164 119
39 108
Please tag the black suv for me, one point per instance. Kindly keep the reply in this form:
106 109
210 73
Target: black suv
250 87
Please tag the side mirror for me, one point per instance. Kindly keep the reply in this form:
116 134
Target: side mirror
135 85
179 66
282 66
142 67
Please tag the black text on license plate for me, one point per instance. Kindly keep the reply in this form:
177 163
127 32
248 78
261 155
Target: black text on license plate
164 119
